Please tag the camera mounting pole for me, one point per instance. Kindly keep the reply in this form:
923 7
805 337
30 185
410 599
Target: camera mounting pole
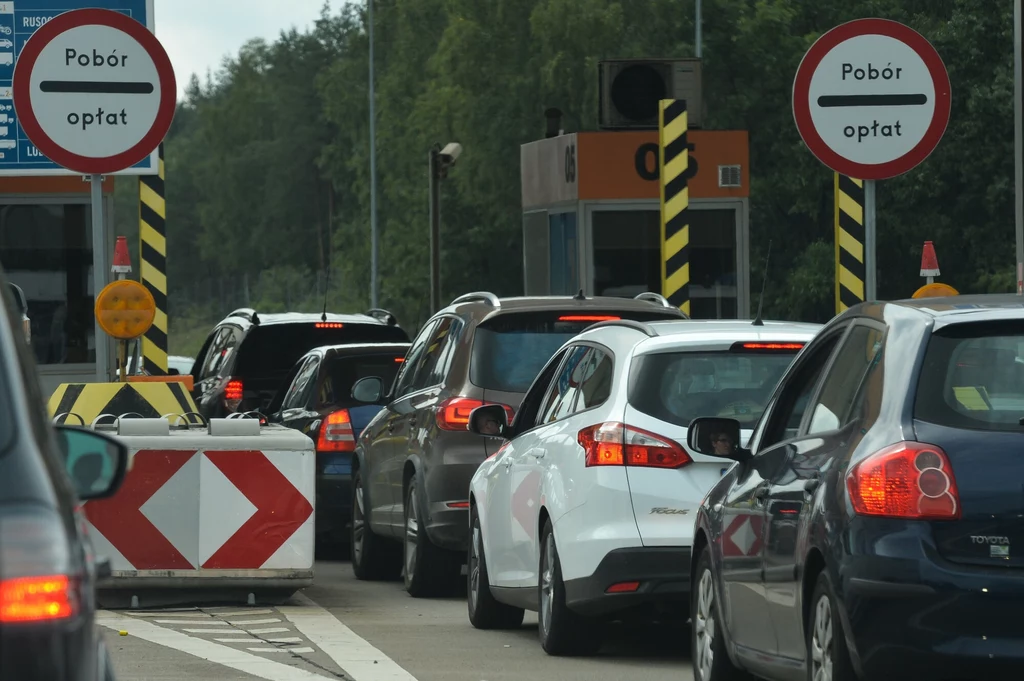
436 170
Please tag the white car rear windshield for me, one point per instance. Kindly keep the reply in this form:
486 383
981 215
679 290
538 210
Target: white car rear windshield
973 377
678 387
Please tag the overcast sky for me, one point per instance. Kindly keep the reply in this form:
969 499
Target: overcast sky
198 34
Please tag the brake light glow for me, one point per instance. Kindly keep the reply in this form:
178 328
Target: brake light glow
622 588
33 599
777 347
909 480
616 444
453 414
233 394
457 504
336 434
587 318
399 360
329 325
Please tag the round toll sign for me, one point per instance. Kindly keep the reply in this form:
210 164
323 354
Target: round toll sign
871 99
94 90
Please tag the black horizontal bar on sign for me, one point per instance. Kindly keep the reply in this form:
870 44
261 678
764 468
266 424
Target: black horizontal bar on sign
96 87
834 101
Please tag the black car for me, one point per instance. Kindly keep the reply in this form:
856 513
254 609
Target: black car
48 569
247 356
868 530
317 400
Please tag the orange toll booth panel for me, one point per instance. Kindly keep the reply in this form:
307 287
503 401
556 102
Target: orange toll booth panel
623 165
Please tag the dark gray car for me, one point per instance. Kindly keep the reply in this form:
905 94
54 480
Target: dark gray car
415 459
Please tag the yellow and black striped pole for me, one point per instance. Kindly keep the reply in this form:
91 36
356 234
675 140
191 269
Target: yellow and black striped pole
153 269
675 201
849 222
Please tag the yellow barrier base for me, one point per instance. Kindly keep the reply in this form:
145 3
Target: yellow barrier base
149 400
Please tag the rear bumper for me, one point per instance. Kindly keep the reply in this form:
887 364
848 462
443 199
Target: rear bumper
912 614
333 503
663 573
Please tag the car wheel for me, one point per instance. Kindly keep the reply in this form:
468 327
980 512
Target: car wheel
428 569
711 661
827 654
485 612
373 557
562 631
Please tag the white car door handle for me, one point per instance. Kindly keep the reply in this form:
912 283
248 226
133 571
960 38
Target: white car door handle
537 453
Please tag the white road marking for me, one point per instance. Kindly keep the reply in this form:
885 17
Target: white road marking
361 660
212 631
170 612
281 650
269 620
241 613
206 622
253 639
208 650
269 630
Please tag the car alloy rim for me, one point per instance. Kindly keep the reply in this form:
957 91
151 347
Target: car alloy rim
474 568
821 641
358 523
704 625
411 536
547 584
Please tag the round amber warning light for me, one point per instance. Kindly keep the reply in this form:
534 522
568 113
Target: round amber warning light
125 309
935 290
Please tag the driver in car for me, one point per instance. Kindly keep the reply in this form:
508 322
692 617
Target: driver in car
722 444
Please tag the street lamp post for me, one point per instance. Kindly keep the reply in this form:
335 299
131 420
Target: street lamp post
374 238
439 162
1018 143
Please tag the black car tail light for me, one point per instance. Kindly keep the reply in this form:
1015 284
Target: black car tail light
35 584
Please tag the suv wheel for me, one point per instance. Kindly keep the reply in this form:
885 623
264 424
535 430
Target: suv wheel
562 631
485 612
373 557
429 569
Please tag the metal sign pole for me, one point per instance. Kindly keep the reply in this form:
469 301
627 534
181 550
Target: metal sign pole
1018 142
870 264
99 275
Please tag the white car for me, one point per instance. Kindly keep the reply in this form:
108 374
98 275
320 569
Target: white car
587 511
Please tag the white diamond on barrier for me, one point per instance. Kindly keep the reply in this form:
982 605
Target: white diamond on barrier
744 537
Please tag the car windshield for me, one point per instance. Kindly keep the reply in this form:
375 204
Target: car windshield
973 377
510 350
274 349
678 387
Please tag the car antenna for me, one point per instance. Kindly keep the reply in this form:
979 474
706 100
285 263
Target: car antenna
764 281
327 287
580 296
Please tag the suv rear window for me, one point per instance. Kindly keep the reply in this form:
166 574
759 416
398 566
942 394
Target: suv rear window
274 349
973 377
509 350
678 387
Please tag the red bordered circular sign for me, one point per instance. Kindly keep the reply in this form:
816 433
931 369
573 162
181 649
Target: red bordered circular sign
94 91
871 99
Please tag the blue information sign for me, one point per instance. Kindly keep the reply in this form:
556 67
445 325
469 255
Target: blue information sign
19 19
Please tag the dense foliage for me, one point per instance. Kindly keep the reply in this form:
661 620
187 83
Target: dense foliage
268 160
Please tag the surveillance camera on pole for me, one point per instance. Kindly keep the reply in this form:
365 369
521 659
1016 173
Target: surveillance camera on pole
450 154
440 161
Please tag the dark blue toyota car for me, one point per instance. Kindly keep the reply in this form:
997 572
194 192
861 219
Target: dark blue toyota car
316 399
873 527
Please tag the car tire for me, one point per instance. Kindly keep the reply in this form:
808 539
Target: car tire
711 661
826 638
428 570
485 611
373 557
561 631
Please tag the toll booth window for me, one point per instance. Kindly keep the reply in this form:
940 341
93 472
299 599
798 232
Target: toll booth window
47 251
627 258
563 271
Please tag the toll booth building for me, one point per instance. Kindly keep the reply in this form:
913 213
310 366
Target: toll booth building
46 248
592 217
